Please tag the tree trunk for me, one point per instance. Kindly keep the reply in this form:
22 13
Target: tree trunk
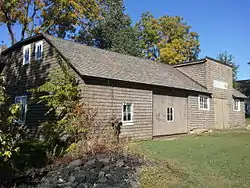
12 36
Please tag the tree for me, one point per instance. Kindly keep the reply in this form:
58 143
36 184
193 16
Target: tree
57 17
228 59
112 32
172 36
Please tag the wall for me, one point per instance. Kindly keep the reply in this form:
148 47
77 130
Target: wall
197 118
108 102
195 71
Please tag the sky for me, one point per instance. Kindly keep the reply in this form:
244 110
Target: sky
223 25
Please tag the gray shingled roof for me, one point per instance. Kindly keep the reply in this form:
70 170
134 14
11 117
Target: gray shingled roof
238 94
90 61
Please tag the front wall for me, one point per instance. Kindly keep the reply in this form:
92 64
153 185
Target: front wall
160 124
196 71
199 119
237 118
108 101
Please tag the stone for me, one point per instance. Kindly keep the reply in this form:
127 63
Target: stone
90 163
105 169
76 163
248 127
120 163
81 177
84 185
198 131
101 174
105 160
103 180
72 179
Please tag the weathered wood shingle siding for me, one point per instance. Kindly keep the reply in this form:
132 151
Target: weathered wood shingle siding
198 118
196 71
20 78
108 102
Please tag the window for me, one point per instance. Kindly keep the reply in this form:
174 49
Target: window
236 105
39 50
26 54
127 112
22 100
203 102
170 114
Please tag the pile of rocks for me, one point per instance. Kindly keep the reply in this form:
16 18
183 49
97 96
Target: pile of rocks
101 171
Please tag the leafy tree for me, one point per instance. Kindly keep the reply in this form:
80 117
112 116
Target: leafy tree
228 59
57 17
171 34
113 31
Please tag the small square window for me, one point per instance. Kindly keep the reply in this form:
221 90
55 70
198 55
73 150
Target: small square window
127 112
39 50
170 114
22 101
26 54
203 102
236 105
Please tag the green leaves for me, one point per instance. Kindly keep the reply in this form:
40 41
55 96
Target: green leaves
171 34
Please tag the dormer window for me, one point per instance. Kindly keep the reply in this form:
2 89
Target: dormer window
39 50
26 54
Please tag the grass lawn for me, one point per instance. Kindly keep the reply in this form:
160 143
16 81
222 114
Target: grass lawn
248 120
210 160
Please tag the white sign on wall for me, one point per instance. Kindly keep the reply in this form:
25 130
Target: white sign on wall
220 84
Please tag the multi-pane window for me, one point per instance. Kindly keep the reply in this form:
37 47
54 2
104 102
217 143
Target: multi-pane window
204 102
170 114
22 101
127 112
26 54
236 105
39 50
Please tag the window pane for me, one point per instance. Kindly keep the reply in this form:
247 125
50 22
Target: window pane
129 117
129 108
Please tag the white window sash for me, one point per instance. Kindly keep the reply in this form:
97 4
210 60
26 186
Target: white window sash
236 105
23 101
36 50
24 50
201 102
126 112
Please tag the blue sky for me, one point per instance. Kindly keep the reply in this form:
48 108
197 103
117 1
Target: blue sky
222 25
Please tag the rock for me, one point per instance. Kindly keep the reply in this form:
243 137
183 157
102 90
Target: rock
90 163
248 127
84 185
81 177
198 131
105 169
76 163
120 163
103 180
99 185
105 160
72 179
101 174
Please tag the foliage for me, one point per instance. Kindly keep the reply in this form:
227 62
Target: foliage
10 133
116 124
228 59
171 34
57 17
113 31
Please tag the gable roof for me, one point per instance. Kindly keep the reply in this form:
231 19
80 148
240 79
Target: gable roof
238 94
94 62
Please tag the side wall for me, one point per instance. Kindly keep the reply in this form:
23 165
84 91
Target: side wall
20 78
108 102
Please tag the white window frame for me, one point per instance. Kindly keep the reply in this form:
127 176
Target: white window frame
128 122
172 114
25 107
238 102
24 49
208 102
40 43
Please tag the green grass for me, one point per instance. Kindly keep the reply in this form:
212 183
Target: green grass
248 121
210 160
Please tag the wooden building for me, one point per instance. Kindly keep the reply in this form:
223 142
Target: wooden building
150 98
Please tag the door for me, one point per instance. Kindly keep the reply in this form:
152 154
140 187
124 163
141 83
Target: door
221 113
169 115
